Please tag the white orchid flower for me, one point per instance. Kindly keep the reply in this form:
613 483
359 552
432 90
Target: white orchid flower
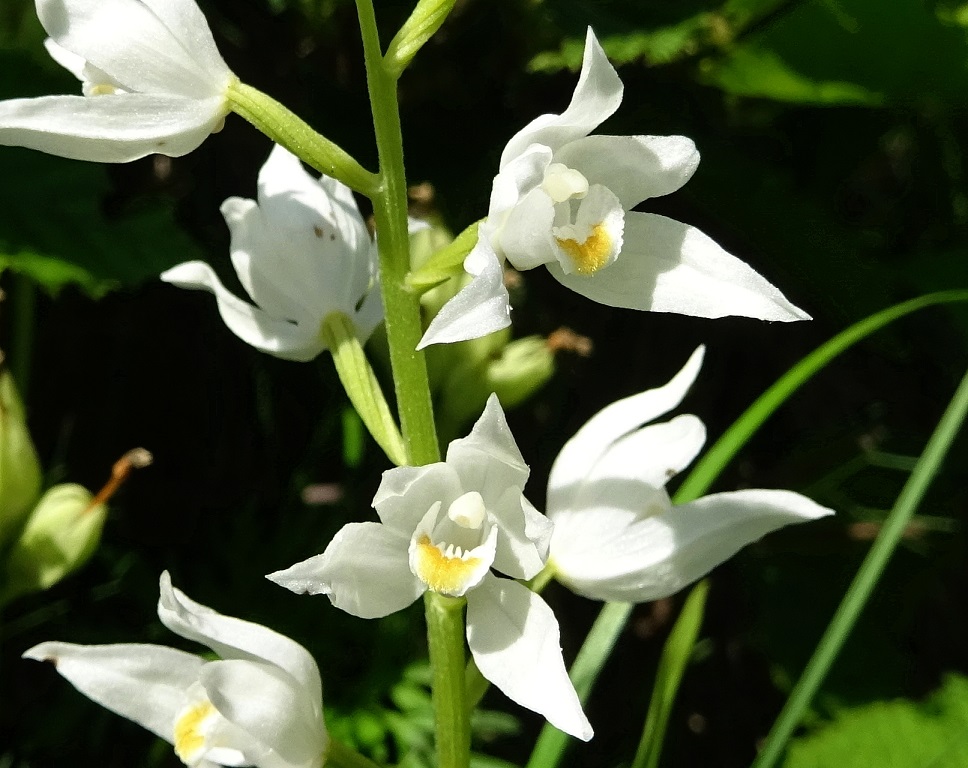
443 528
617 535
564 199
302 252
260 705
152 78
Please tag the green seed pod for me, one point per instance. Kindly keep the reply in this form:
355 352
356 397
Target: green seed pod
60 536
19 466
514 371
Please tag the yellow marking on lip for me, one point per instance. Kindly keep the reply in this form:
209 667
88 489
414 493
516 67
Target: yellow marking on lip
443 574
188 736
591 255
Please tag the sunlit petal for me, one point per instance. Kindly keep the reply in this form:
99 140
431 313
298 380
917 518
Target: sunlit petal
233 638
620 418
480 308
364 571
667 266
109 129
514 638
144 683
251 324
634 168
597 96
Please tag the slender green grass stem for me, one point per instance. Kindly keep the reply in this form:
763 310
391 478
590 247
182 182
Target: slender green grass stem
612 618
672 666
866 578
338 755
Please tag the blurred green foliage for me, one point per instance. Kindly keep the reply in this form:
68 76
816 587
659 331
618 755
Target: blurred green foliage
833 136
893 734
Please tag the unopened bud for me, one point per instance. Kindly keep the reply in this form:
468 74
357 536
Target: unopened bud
19 467
518 370
63 531
60 536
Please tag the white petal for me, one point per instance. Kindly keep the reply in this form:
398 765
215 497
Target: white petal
407 493
233 638
285 724
301 252
515 180
370 313
661 554
525 238
109 129
604 428
522 545
668 266
364 571
255 327
537 528
488 460
258 265
128 41
635 465
597 96
513 636
188 26
70 61
481 307
145 683
635 168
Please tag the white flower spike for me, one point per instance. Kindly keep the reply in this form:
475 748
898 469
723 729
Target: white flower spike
302 252
443 527
564 199
617 535
152 78
260 705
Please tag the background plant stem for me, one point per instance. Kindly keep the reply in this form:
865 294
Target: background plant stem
866 578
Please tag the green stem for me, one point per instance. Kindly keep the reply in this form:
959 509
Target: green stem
867 577
401 306
288 129
338 755
445 632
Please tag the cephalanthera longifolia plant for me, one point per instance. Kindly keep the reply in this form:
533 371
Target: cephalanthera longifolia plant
456 523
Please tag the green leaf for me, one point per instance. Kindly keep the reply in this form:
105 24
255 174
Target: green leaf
847 52
751 71
54 231
672 666
893 734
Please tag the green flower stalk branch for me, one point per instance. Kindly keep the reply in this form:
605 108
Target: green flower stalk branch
282 126
416 30
361 385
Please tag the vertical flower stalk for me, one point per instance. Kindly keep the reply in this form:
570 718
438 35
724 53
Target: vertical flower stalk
401 306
